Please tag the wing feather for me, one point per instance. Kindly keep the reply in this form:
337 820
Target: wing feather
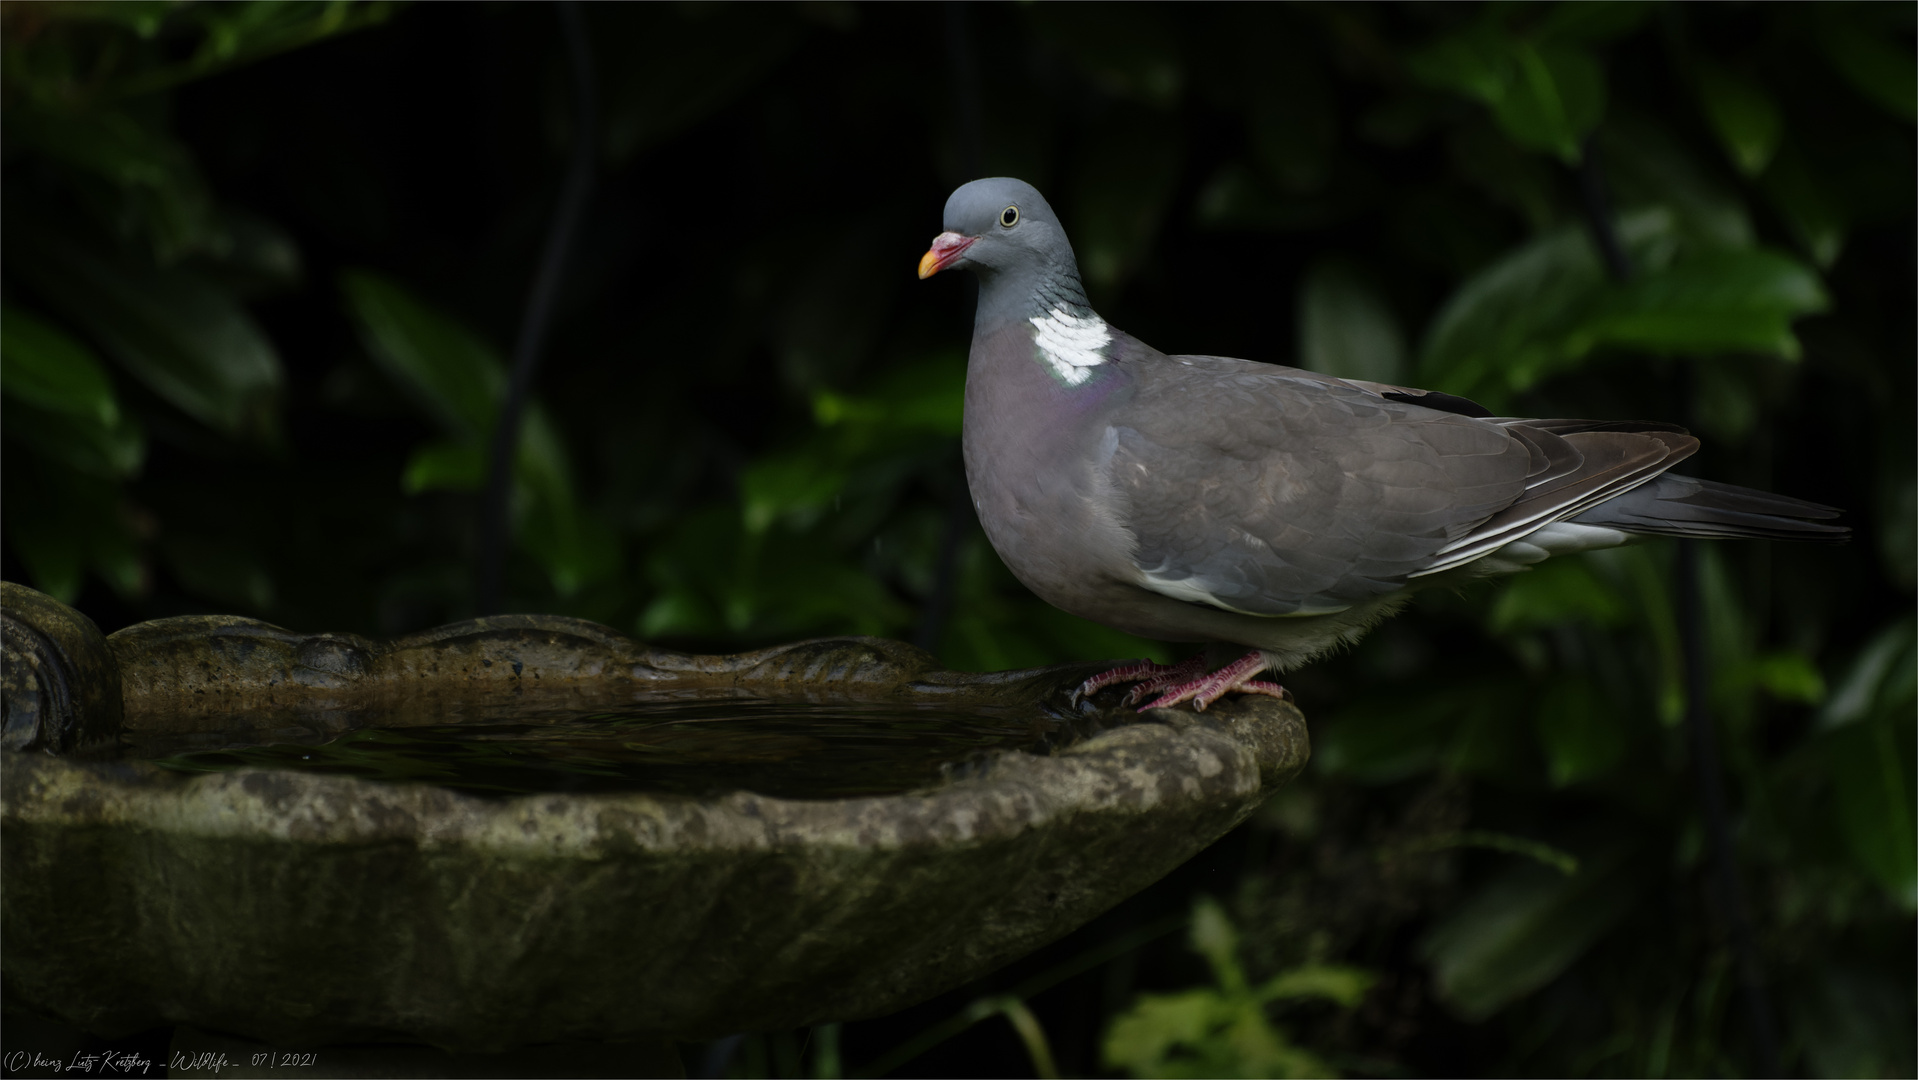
1273 491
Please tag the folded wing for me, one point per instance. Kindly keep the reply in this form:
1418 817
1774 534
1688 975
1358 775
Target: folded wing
1272 491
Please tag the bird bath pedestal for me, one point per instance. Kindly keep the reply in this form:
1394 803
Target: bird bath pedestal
301 909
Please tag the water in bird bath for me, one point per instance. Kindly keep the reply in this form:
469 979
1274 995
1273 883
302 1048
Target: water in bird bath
696 748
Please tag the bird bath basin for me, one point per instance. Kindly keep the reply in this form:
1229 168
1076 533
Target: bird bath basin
529 830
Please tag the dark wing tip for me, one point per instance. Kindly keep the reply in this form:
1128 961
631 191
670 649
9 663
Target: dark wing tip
1432 399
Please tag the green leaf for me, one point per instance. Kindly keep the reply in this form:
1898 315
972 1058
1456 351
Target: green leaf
573 546
927 396
1506 327
445 466
1388 737
1898 527
1557 591
1815 215
1870 765
1648 584
1545 95
793 486
143 17
1212 1032
63 524
1224 1031
761 586
1544 854
1491 737
112 450
157 190
1645 164
1483 156
1591 20
458 379
1853 1019
1880 68
1547 305
1201 1034
1556 99
1239 198
702 59
42 366
1115 224
679 612
1742 114
1524 928
248 254
229 34
1581 731
1214 938
1141 1039
1882 680
1477 63
1725 401
1346 328
221 569
1345 986
186 339
1723 301
446 368
1789 676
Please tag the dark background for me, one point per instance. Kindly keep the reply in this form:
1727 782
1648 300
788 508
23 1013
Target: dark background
266 265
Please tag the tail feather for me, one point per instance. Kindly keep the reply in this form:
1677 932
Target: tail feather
1686 506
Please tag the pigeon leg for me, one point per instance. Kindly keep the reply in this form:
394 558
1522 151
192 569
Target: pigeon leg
1155 676
1171 676
1235 677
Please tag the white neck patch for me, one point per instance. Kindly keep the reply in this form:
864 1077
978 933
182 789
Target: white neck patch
1072 346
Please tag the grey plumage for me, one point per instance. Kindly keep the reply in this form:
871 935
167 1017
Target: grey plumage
1202 498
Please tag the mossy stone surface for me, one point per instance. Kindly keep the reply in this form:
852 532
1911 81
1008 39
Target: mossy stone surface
305 909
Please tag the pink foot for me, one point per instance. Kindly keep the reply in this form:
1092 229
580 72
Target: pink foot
1235 677
1155 675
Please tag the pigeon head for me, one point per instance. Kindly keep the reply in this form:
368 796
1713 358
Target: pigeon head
1000 225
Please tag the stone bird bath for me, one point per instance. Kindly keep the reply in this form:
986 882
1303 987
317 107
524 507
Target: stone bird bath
304 909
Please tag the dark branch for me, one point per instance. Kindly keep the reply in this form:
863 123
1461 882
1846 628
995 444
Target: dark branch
1728 891
494 524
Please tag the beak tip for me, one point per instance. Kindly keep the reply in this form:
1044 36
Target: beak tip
946 249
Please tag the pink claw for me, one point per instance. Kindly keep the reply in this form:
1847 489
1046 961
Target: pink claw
1167 676
1234 677
1185 682
1144 669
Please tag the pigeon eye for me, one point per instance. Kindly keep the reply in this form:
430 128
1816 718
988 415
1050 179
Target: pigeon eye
1009 216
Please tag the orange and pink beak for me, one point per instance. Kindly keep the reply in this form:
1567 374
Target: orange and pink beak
946 249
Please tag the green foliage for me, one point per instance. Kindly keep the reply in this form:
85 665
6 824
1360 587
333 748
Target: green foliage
1224 1030
460 381
1346 328
1866 742
58 399
1546 307
128 254
256 295
1524 928
184 338
1546 95
1742 114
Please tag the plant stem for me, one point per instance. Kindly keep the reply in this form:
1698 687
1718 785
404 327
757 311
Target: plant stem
494 525
965 80
1728 891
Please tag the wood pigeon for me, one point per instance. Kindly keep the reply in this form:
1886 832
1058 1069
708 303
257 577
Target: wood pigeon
1207 499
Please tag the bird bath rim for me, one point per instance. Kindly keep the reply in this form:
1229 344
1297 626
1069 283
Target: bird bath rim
326 909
